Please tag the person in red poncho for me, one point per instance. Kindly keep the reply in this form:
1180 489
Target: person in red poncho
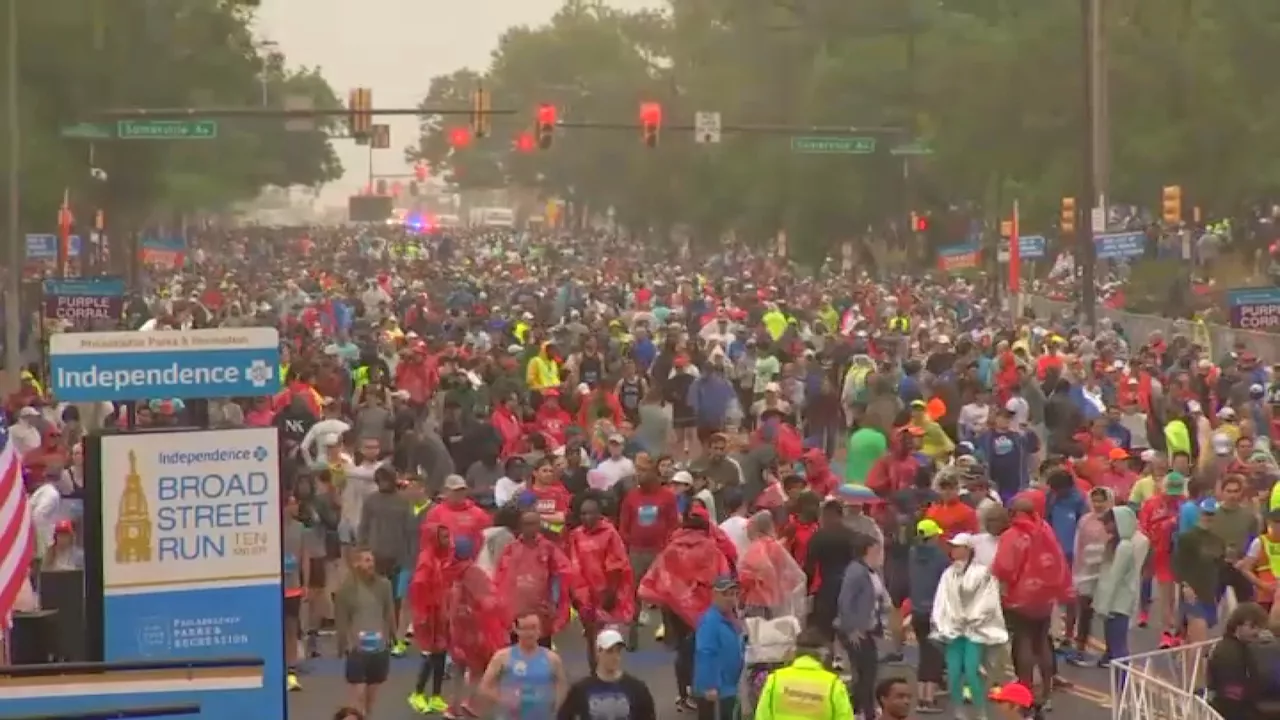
477 627
428 595
817 471
773 585
679 581
506 420
551 419
605 592
534 576
1035 577
459 513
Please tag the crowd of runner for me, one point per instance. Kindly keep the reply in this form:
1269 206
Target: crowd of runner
492 439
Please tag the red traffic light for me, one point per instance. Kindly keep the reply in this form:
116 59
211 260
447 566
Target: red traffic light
546 114
922 224
525 142
651 113
459 137
420 171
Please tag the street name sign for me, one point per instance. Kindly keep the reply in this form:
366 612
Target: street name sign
833 145
167 129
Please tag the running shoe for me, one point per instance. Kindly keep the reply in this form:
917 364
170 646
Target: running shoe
291 682
1167 640
419 703
437 704
399 648
1143 618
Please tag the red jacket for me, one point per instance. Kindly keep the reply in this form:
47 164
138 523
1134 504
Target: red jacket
414 377
509 428
648 517
553 422
1031 567
466 519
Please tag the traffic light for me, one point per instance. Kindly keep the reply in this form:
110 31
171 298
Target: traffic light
1171 204
420 171
480 112
1068 221
361 116
919 223
459 138
650 123
382 187
546 125
525 142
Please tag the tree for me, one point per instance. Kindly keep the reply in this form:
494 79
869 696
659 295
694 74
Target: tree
994 87
191 53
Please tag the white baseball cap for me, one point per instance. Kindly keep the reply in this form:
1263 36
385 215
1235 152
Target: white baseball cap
962 540
609 639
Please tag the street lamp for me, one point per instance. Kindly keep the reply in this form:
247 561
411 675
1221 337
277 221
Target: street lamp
268 63
16 250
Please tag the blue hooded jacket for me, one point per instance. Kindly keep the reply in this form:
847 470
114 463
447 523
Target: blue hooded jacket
1063 511
924 571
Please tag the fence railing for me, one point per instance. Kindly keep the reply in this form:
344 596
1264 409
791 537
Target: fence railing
1138 327
1162 684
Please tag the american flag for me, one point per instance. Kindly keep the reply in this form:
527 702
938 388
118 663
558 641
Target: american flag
17 543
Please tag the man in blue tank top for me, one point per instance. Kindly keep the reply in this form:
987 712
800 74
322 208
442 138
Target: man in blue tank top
525 681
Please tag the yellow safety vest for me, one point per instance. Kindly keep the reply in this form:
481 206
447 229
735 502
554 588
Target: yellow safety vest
284 373
804 690
1272 552
900 323
360 377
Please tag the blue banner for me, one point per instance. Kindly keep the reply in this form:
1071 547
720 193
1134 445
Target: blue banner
44 246
192 564
209 363
86 300
1118 246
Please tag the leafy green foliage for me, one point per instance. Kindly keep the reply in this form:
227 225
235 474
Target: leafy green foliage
994 86
81 56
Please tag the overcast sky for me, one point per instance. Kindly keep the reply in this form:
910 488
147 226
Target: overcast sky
395 47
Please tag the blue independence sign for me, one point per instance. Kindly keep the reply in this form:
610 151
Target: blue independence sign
220 362
1118 246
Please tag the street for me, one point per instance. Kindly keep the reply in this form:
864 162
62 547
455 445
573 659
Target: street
323 689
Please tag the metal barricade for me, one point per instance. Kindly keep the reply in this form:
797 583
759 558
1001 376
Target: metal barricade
1162 684
1138 327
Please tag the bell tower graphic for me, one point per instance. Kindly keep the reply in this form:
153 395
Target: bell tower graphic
133 523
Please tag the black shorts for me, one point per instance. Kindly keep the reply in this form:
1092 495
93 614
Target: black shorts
318 578
368 668
293 607
684 422
1020 625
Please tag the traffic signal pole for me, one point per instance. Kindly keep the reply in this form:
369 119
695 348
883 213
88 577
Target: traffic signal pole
1085 248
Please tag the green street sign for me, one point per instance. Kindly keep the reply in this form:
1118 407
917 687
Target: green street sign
912 148
833 145
87 131
167 129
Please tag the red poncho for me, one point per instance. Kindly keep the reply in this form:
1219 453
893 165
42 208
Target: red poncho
477 627
1031 566
429 590
680 578
463 519
600 559
534 576
770 578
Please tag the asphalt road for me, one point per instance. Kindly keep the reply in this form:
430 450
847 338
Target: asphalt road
323 691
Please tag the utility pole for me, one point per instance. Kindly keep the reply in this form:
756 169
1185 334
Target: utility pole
16 254
1085 250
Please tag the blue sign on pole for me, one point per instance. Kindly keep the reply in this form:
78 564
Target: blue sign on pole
1032 247
192 558
208 363
1118 246
85 287
44 246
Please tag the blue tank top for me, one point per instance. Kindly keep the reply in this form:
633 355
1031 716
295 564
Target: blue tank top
527 686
